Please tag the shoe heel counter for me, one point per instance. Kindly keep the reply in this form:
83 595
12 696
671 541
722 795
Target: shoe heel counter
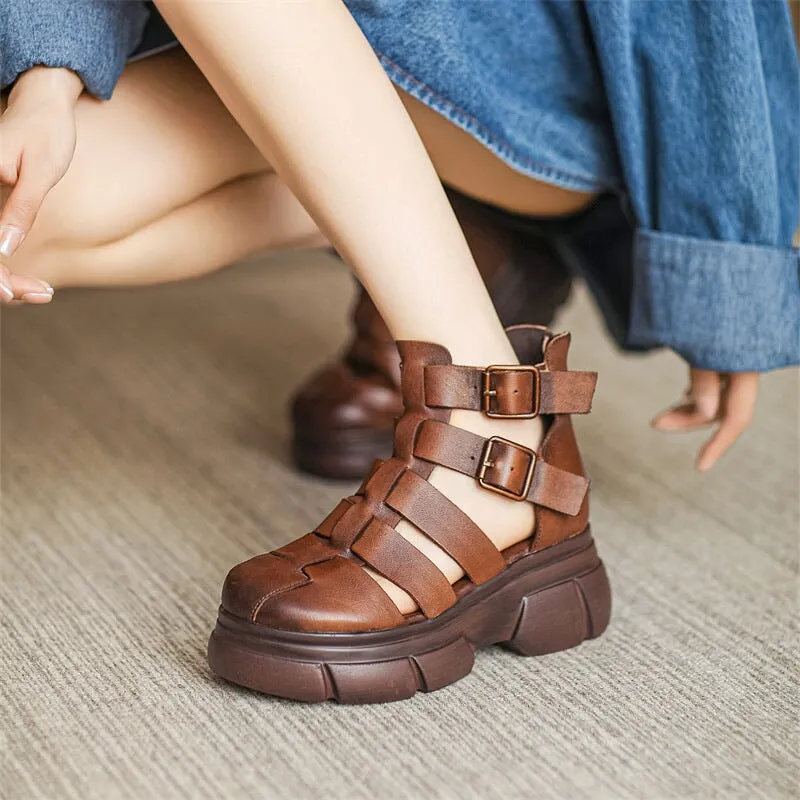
560 448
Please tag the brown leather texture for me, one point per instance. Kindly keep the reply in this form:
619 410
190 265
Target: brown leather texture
503 465
510 391
317 584
343 415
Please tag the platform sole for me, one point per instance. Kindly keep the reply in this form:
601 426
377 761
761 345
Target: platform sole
543 603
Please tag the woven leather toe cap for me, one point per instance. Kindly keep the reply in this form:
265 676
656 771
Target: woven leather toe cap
339 597
250 583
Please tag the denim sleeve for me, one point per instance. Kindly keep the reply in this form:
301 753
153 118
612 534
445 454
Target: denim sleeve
705 103
91 37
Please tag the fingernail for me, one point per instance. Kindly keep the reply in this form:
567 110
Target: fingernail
48 288
7 293
11 238
33 297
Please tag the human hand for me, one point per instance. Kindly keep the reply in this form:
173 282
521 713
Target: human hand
727 398
37 143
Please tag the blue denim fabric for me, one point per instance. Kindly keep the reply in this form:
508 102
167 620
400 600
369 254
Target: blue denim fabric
689 109
91 37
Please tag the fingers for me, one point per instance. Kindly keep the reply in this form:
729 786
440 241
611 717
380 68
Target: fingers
707 387
31 290
698 409
6 292
22 206
740 404
23 288
712 397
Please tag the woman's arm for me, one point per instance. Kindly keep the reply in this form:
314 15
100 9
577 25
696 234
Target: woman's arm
49 51
705 103
37 142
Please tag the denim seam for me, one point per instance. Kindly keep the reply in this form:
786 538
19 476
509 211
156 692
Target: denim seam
434 99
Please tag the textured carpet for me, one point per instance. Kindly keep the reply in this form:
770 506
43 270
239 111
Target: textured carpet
144 452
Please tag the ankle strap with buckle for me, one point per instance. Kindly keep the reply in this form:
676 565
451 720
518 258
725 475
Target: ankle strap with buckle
502 466
509 392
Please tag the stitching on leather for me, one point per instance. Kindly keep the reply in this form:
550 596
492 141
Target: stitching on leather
300 569
274 592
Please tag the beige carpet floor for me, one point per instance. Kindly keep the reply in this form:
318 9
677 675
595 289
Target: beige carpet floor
144 452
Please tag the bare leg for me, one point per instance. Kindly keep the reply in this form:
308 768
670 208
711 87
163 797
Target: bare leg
465 164
164 185
304 84
249 215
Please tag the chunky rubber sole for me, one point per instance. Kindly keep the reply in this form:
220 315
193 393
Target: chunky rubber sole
341 454
543 603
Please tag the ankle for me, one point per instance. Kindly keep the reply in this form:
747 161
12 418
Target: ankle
504 520
527 432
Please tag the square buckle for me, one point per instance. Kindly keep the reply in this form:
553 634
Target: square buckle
489 391
486 463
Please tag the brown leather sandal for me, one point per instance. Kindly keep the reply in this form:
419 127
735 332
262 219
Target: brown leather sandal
307 622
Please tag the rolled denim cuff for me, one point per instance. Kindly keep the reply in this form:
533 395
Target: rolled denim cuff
723 306
93 39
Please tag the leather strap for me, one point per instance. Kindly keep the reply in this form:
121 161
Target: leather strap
501 466
387 552
512 391
325 528
439 518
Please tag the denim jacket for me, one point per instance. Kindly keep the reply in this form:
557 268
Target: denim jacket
688 108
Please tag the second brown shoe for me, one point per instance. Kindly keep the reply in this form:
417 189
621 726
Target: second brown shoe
344 415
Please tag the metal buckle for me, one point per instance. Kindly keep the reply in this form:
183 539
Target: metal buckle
489 392
486 463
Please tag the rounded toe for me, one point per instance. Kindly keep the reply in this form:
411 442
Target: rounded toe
249 584
338 597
